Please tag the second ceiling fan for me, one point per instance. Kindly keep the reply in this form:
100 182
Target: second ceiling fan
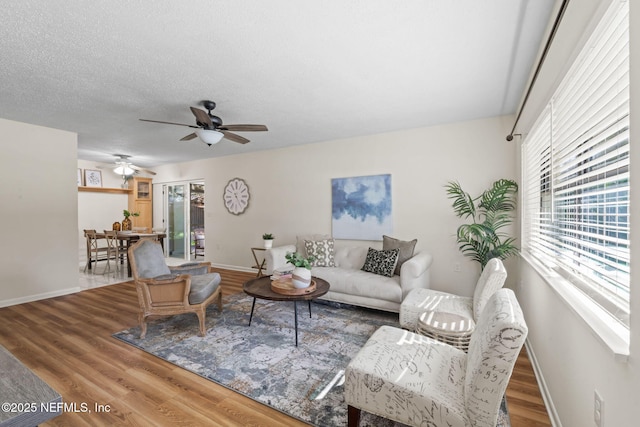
210 128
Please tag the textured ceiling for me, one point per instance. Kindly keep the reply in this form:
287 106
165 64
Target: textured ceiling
311 71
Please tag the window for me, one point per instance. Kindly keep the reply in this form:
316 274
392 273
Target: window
575 165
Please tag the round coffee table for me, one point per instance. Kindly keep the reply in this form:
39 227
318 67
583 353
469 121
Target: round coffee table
261 288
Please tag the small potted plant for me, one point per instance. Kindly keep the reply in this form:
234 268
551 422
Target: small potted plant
268 240
301 275
126 222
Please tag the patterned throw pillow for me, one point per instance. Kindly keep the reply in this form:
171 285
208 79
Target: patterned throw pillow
322 251
406 249
381 262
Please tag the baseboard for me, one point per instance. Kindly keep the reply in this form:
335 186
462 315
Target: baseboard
234 267
542 385
37 297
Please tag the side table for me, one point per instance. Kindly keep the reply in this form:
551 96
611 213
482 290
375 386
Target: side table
260 265
449 328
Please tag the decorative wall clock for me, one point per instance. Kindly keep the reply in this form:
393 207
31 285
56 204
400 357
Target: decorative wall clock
236 196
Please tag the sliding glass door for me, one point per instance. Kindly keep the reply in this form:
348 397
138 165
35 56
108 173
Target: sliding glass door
196 219
184 218
176 220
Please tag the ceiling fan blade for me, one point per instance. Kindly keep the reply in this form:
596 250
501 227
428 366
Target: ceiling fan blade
189 137
244 128
233 137
202 116
136 168
168 123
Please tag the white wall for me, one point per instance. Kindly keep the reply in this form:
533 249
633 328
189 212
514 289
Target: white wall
573 361
38 212
291 189
99 211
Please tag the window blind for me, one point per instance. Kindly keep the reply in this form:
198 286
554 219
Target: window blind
576 170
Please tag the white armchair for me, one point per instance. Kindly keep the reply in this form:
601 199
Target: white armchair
416 380
419 301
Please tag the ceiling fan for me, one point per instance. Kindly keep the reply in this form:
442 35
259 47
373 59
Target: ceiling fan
210 128
125 168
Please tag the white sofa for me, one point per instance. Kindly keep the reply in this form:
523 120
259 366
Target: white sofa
349 284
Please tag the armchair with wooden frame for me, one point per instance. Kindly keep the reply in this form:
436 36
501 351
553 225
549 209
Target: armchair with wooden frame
166 291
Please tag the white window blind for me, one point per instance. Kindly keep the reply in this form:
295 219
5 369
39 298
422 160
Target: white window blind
576 171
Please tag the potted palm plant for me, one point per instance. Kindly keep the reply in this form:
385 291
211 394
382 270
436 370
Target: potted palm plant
490 212
301 275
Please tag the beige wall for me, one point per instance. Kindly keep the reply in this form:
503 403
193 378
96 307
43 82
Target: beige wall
291 189
99 210
38 212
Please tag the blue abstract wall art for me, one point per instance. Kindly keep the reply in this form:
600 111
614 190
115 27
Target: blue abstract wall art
361 207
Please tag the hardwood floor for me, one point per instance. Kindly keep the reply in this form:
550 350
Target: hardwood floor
67 342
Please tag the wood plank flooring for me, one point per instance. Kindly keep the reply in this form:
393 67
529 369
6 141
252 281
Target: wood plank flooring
67 342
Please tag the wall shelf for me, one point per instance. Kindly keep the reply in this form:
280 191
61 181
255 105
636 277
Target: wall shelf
105 190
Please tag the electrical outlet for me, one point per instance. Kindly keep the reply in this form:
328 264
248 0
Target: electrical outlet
598 409
456 267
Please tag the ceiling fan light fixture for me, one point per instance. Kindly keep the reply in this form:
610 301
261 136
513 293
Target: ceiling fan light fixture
208 136
123 170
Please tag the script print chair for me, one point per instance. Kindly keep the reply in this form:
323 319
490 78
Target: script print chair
448 317
419 381
166 291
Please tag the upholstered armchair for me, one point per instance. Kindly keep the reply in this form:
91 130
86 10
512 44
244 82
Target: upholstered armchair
416 380
419 301
165 291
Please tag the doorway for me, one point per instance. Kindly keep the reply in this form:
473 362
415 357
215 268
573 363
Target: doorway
185 220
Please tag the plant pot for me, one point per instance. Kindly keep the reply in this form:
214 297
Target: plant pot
126 224
268 244
301 278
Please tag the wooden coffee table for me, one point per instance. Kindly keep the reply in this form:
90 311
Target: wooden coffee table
261 288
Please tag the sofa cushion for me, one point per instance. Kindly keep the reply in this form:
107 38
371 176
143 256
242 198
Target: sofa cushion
381 262
406 249
321 251
350 256
347 281
203 286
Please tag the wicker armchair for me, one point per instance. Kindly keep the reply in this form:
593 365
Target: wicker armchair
166 291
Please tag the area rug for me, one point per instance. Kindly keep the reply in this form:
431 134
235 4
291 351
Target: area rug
262 362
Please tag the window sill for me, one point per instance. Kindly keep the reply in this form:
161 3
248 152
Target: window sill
607 329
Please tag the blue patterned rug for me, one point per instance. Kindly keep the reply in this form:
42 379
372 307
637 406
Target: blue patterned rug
262 362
